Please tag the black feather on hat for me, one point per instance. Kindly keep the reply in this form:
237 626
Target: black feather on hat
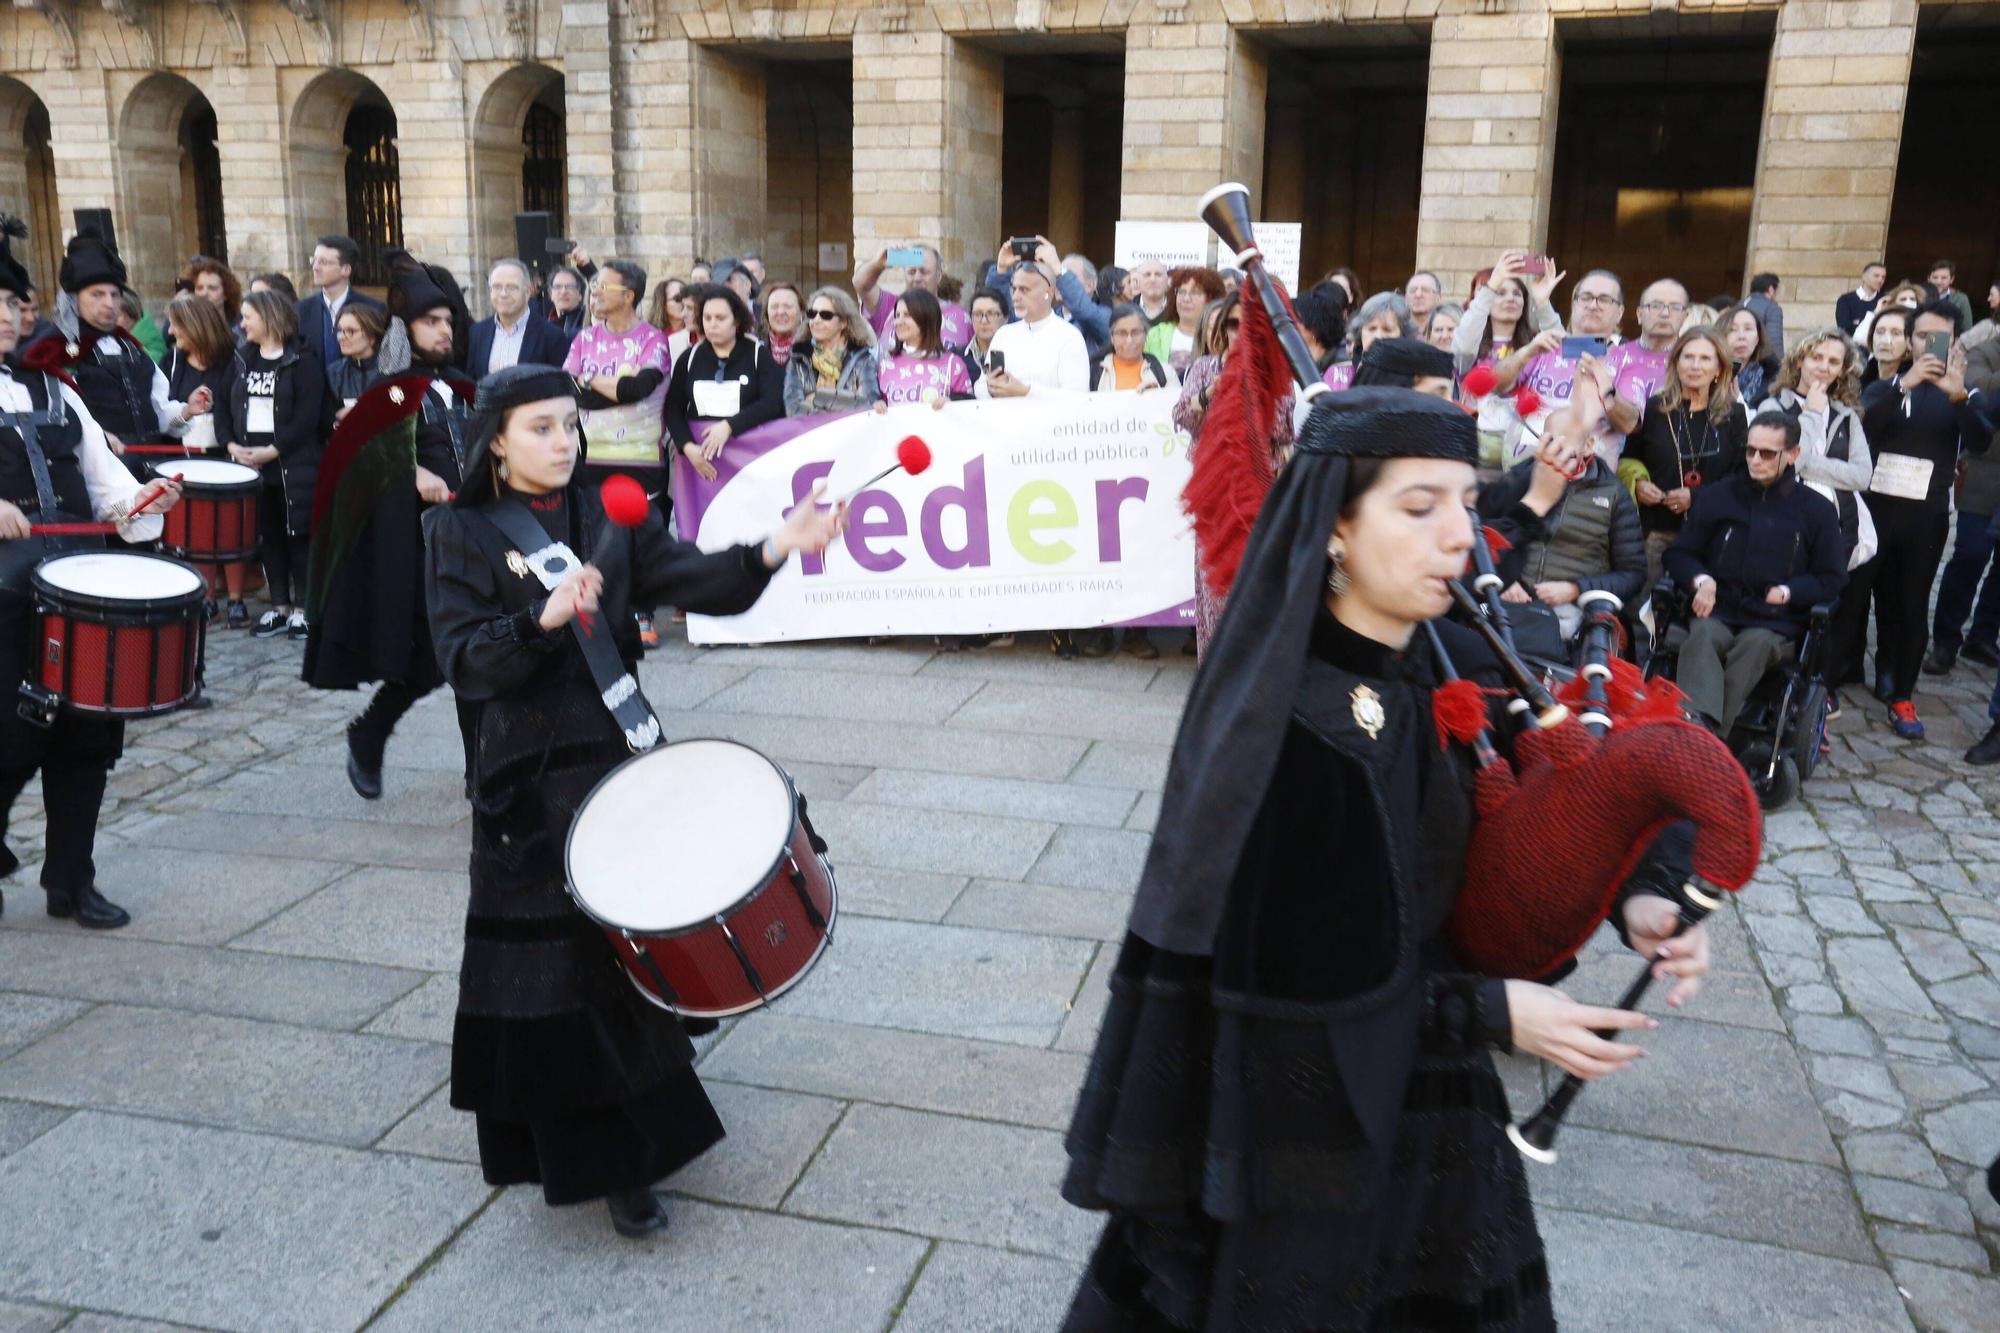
90 261
13 277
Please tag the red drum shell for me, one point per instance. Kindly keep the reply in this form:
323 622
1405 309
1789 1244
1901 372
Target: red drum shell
744 956
216 521
101 652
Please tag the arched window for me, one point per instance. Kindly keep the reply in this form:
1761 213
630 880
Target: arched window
374 189
542 167
204 178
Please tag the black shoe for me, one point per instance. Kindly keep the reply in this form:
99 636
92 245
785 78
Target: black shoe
1885 686
208 611
197 701
1983 653
1940 660
1986 750
364 763
239 616
636 1213
90 908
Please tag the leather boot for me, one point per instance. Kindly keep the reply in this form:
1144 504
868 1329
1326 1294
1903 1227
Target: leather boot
1986 750
364 762
636 1213
1941 659
90 908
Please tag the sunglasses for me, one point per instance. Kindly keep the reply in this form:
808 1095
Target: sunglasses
1751 451
822 314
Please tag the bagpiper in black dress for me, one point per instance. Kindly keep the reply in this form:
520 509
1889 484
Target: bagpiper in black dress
578 1083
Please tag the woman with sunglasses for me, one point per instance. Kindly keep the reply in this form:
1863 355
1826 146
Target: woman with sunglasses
832 365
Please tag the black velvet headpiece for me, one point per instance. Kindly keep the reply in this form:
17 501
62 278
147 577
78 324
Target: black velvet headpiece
1407 359
89 262
1371 422
13 276
496 394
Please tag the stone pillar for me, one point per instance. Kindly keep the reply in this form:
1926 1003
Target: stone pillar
729 160
434 161
1194 116
654 143
251 148
1489 140
927 116
79 103
1826 163
591 184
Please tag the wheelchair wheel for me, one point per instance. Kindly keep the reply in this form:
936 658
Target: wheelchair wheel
1783 786
1808 730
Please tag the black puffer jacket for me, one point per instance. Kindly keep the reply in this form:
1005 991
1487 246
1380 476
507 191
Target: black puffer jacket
1750 538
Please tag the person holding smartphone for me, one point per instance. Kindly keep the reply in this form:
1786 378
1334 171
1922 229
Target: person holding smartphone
922 267
1920 422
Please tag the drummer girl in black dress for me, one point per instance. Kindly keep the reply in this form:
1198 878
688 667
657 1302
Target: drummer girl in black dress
1292 1114
578 1083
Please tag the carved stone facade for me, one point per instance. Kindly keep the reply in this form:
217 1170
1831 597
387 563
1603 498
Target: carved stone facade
670 108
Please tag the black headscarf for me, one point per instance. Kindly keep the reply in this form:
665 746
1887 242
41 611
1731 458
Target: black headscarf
1401 362
1236 717
497 393
416 289
13 275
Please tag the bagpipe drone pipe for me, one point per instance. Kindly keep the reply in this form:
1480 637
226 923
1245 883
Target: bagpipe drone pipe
1564 826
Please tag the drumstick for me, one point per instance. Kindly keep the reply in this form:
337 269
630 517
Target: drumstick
912 455
89 529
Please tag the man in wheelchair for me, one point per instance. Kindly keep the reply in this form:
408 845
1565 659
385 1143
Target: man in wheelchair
1759 551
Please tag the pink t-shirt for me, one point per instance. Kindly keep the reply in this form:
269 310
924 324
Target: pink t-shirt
955 332
1339 375
909 378
627 434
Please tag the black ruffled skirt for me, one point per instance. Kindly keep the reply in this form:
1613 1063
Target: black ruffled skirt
605 1150
1245 1197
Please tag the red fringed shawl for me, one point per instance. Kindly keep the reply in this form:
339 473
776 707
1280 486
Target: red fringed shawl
1233 470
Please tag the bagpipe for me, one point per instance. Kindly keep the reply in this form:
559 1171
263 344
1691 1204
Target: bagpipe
1601 767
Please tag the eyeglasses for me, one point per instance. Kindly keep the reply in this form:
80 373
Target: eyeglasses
1231 325
1752 451
822 314
1601 298
989 314
1667 307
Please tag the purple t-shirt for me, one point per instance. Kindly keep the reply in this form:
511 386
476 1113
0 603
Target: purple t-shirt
956 331
909 378
1638 371
1339 375
627 434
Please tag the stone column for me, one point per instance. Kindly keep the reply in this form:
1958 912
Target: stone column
927 116
80 110
1489 140
591 184
434 160
729 162
653 138
1194 116
1826 164
250 146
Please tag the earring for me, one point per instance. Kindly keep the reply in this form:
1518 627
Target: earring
501 468
1337 582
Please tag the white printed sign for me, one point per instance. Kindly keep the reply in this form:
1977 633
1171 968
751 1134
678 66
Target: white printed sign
832 257
1279 242
1175 244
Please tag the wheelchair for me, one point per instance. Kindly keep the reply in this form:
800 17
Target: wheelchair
1780 732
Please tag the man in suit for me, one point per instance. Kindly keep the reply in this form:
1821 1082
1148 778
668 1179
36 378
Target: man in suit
333 273
511 336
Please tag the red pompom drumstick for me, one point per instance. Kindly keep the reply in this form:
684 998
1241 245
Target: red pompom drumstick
1479 381
1526 401
912 455
624 500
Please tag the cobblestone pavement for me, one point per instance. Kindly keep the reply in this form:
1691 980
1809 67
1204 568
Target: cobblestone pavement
231 1115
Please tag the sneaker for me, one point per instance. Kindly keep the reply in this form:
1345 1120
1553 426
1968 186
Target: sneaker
269 624
1903 720
1940 660
1833 705
239 615
1986 750
649 637
295 626
1983 653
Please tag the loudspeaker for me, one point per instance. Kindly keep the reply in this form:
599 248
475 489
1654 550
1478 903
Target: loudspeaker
531 232
96 222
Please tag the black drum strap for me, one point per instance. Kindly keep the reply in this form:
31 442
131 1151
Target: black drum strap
24 424
549 561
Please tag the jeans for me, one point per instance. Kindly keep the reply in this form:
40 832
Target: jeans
1972 556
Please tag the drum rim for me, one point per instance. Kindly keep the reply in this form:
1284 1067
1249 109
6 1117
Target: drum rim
253 481
43 588
769 997
784 848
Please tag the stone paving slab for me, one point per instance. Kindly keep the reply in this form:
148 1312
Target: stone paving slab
935 841
1092 858
1042 909
1068 710
21 1123
25 1019
381 915
942 1176
906 895
976 1289
1124 764
850 696
887 744
227 1229
425 1014
982 1079
92 966
1059 802
428 799
189 897
303 1082
332 837
18 1318
522 1266
772 1135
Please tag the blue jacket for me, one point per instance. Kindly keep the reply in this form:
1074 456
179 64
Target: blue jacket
543 343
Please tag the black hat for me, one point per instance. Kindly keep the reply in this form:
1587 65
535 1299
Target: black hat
89 262
503 389
416 289
1401 362
13 277
1234 725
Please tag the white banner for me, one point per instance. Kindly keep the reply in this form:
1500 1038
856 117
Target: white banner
1279 242
1175 244
1055 511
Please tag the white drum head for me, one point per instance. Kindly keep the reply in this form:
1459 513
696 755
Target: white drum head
207 471
678 835
118 576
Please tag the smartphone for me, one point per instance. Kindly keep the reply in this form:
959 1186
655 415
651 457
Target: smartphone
1578 347
1938 345
1023 247
996 363
907 256
1534 266
556 245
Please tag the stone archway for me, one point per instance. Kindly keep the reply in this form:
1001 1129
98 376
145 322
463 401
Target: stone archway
28 178
518 160
345 174
170 180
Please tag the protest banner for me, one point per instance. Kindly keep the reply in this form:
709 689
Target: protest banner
1279 243
1054 511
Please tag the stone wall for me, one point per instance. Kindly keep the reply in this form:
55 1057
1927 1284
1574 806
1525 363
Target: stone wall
669 118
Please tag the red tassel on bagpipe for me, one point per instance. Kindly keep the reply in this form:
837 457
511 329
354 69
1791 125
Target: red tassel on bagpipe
1233 469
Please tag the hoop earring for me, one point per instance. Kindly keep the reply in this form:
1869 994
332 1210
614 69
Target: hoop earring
501 467
1337 582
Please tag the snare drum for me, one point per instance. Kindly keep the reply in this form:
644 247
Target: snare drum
696 862
216 521
116 632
